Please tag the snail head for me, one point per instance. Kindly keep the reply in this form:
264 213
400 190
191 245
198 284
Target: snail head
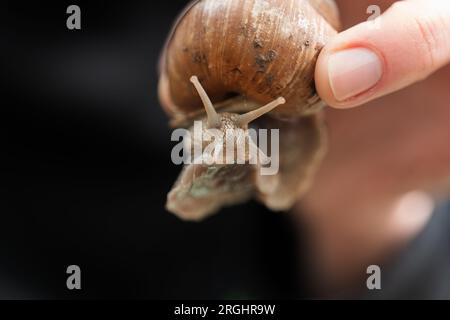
227 129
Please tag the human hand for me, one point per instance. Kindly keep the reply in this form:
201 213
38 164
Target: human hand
385 149
406 44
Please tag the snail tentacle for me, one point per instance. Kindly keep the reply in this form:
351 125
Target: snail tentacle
213 117
245 119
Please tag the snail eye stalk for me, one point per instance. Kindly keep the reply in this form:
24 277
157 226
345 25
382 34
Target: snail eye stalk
248 117
213 117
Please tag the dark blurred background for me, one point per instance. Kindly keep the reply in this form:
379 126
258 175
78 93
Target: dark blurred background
87 169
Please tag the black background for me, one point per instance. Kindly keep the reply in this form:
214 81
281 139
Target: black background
87 169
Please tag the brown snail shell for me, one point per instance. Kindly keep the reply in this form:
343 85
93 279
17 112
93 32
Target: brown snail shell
247 53
257 48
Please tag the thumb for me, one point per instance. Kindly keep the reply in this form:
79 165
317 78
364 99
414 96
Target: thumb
406 44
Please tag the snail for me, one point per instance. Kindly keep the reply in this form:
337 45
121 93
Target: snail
234 63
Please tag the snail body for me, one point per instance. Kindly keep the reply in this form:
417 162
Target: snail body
244 54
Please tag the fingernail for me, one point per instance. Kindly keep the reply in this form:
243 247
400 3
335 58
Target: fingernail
353 71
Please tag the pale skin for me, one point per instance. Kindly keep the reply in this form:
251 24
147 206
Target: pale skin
384 142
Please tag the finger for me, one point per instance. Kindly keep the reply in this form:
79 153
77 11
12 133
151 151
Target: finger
406 44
